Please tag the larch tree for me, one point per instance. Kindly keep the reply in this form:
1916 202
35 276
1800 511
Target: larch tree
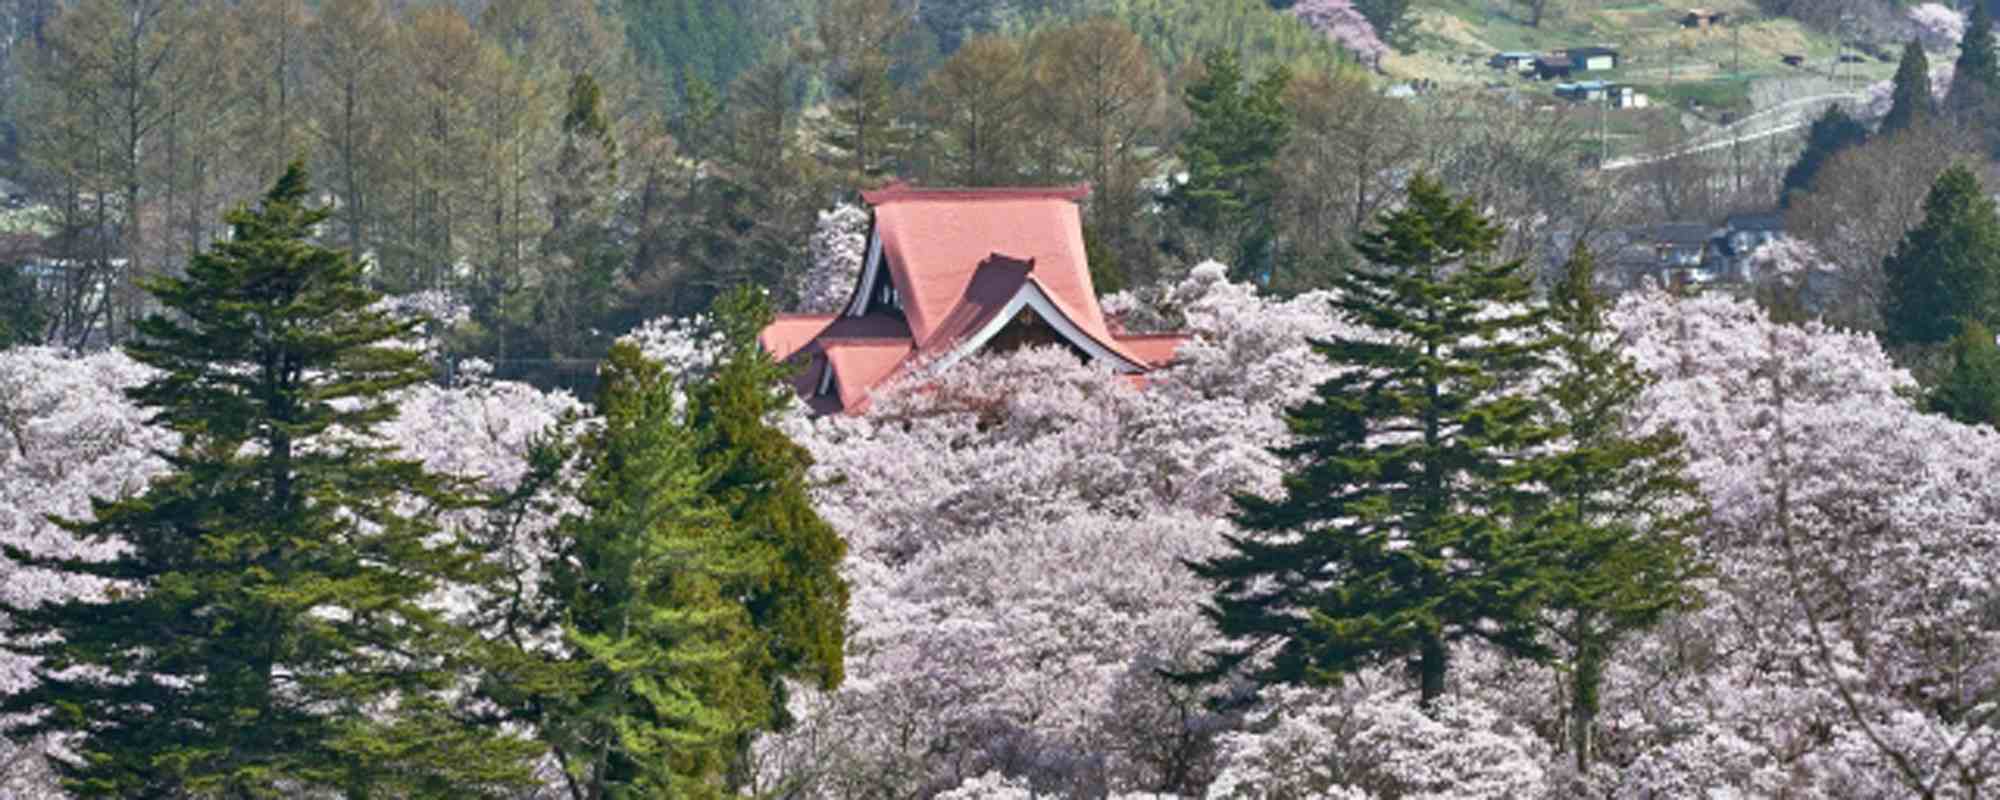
1946 271
863 132
264 630
975 104
1616 503
1389 540
1911 102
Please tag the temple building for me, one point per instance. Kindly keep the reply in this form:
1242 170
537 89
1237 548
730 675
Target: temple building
950 272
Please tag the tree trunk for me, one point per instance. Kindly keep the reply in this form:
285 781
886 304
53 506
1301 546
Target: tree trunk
1430 669
1584 684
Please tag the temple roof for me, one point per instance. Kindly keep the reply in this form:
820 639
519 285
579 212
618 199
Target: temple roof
962 263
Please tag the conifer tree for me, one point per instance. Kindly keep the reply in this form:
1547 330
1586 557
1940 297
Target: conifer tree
264 633
1230 156
698 582
1832 132
797 599
1970 390
661 678
1389 540
1977 75
1616 505
1946 271
1910 102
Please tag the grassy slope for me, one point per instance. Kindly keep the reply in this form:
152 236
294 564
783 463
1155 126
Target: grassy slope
1729 70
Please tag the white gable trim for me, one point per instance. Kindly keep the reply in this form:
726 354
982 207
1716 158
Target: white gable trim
1031 295
826 375
870 267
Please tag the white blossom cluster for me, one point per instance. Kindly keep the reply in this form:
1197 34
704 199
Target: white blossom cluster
839 244
1018 525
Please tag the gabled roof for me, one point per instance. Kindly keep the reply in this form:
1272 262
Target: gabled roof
963 263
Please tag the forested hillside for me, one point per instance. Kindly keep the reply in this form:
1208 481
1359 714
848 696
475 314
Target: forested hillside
388 402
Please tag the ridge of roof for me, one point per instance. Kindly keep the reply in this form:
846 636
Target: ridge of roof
903 192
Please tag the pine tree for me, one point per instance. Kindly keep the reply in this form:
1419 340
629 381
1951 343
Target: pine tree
264 632
1977 75
1911 102
1946 271
1230 156
863 123
661 680
1970 390
1831 133
1389 539
1617 507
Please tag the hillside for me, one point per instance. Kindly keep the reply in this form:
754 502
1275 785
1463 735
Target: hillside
1719 72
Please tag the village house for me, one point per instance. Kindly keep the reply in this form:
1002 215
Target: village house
951 272
1514 61
1591 59
1702 18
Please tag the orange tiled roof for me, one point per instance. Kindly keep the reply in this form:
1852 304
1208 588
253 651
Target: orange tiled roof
956 259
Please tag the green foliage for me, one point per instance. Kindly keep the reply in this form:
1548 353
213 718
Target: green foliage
1911 102
1389 539
1831 133
1230 155
269 606
1970 391
699 580
1391 21
712 40
1976 78
1946 271
1107 274
1616 506
797 600
21 319
662 678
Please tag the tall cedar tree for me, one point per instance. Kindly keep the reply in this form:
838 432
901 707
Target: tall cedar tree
1911 102
1970 390
1617 502
862 128
264 633
1976 78
1231 157
698 582
1946 271
1831 133
660 679
1389 540
797 599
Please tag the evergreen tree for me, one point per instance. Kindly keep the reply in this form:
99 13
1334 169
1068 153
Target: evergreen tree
1230 156
1391 21
1946 271
1911 102
1970 391
1831 133
863 129
696 584
797 599
21 319
1617 506
1977 75
264 632
1389 538
661 678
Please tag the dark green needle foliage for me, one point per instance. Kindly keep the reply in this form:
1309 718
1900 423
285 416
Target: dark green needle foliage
1946 271
263 634
1911 102
1616 503
1970 389
699 580
1389 541
1231 155
661 675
